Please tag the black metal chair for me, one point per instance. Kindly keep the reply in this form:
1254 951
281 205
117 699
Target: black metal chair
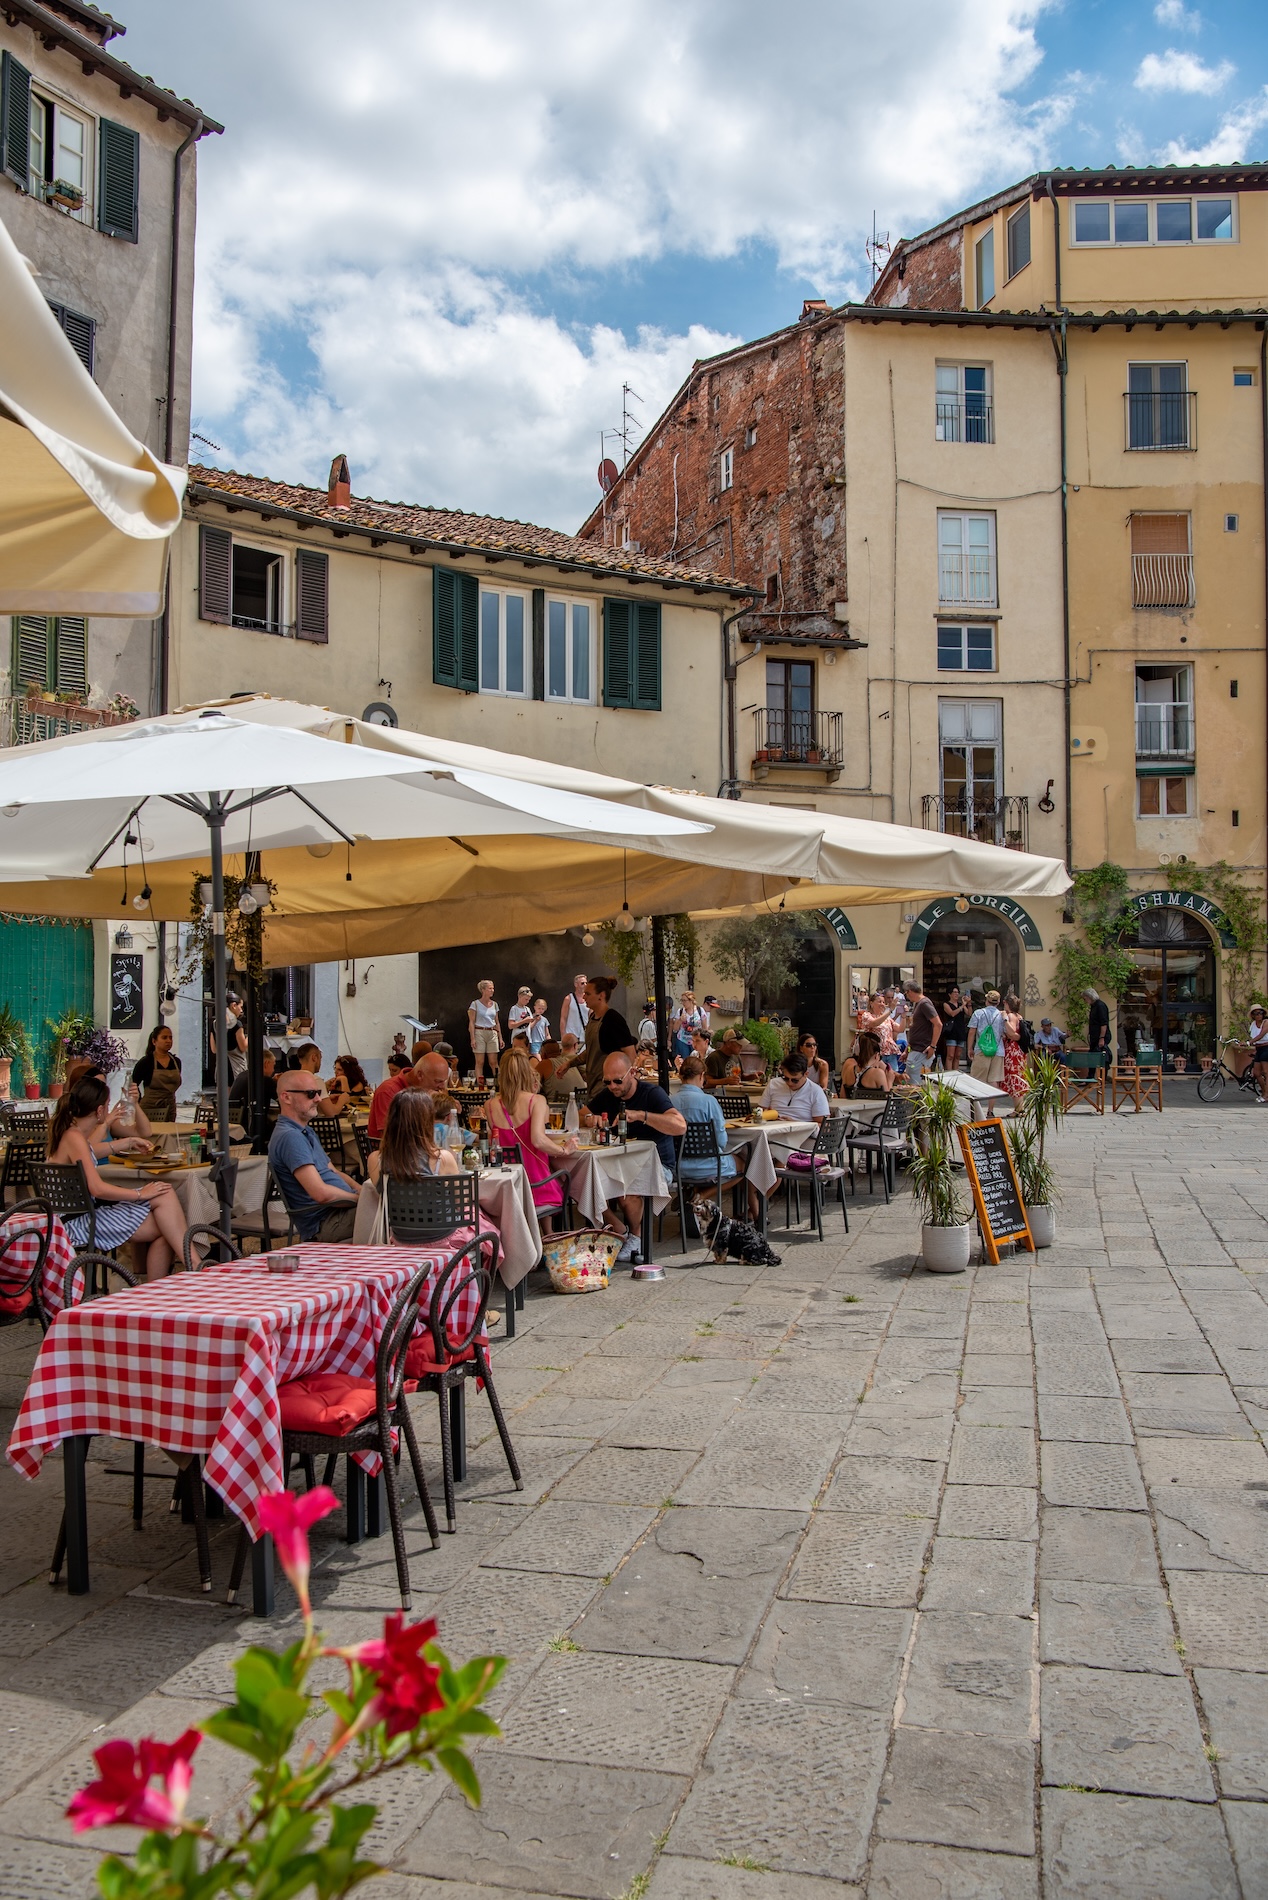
825 1170
442 1363
470 1101
263 1226
365 1147
205 1115
25 1123
20 1289
214 1236
329 1131
700 1143
884 1141
431 1207
384 1410
735 1107
20 1155
64 1185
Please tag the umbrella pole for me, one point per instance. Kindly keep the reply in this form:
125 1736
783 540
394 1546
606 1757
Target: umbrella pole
662 1001
223 1170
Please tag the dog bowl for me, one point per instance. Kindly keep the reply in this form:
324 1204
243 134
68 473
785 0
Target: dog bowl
648 1274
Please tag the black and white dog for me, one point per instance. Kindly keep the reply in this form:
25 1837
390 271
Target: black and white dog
730 1239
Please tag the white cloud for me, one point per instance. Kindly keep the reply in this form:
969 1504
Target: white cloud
401 188
1172 14
1232 140
1174 71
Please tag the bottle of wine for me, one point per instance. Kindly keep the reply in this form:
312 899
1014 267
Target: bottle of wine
622 1126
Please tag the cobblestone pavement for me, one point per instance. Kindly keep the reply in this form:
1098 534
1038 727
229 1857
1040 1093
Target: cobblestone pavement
836 1572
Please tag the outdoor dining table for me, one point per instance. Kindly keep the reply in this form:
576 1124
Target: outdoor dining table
194 1188
599 1175
193 1363
506 1199
757 1138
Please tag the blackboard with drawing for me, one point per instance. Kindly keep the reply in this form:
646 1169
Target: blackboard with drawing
1001 1212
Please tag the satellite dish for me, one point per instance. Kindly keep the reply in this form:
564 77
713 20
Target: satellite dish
379 713
608 474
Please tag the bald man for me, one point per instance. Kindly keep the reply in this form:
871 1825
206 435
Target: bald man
649 1116
430 1072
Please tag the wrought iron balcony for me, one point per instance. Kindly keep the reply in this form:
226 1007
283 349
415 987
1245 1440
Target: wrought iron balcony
968 418
812 739
1003 821
1161 418
1162 580
1164 731
27 720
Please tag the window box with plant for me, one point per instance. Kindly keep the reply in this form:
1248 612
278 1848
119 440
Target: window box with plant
69 197
946 1228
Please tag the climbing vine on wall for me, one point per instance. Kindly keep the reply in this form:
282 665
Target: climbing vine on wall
1091 958
1242 904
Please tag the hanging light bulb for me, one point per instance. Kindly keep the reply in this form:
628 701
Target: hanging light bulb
961 904
247 905
587 938
625 921
142 899
168 1005
322 850
748 912
11 811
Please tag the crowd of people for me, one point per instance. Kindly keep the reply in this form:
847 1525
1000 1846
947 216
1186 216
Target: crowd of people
902 1031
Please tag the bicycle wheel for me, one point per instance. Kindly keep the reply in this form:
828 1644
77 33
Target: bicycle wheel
1211 1085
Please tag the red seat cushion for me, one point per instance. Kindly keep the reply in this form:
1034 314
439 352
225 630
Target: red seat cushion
327 1402
419 1363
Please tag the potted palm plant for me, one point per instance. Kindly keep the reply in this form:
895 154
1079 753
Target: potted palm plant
1040 1115
945 1225
66 1037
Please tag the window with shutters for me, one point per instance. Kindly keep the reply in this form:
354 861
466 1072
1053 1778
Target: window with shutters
80 332
50 653
61 156
631 654
569 657
1162 561
504 642
312 596
118 183
240 585
455 630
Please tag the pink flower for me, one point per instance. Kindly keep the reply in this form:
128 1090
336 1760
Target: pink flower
124 1794
407 1681
286 1518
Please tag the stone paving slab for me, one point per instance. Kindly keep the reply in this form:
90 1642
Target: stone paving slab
1099 1844
904 1872
1123 1733
817 1652
1097 1547
1235 1703
1107 1626
971 1673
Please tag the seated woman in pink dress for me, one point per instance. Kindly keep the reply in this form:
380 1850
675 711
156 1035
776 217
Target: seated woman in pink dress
517 1117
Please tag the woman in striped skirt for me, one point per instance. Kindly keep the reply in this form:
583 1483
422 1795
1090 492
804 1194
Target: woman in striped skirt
149 1214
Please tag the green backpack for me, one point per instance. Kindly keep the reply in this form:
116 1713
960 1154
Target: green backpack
987 1040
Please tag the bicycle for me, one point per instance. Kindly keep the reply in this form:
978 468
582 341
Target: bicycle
1211 1082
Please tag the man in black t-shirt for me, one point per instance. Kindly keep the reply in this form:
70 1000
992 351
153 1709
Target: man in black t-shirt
1098 1021
607 1031
649 1116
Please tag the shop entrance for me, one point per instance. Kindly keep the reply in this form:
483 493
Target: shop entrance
812 1002
975 944
1170 1002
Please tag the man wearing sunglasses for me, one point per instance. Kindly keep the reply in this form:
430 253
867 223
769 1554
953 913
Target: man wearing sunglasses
322 1200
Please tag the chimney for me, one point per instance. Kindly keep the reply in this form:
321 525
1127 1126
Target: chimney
814 307
339 490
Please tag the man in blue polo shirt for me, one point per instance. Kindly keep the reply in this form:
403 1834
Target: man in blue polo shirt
322 1200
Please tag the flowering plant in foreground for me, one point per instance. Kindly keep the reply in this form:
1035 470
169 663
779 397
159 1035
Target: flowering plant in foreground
404 1704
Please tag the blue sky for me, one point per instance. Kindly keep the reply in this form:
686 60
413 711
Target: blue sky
439 237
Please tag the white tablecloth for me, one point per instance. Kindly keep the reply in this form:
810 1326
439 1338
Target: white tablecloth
505 1197
599 1175
757 1139
194 1190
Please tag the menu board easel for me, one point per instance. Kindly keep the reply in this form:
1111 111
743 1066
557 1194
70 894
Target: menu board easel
988 1160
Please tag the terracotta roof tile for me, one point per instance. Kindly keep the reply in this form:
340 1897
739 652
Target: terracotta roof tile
450 529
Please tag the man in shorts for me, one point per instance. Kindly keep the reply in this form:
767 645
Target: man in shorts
1257 1036
485 1028
924 1027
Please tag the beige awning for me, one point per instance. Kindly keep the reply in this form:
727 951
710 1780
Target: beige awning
426 893
86 511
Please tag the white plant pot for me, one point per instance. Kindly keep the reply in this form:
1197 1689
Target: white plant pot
946 1249
1043 1223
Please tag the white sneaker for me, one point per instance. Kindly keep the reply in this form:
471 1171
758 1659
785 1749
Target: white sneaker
629 1254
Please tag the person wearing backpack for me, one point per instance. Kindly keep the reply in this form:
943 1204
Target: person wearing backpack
986 1041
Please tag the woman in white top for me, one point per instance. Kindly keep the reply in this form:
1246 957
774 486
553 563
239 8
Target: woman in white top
486 1030
793 1094
520 1014
574 1012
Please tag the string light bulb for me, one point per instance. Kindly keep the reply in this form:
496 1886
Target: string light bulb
247 905
587 938
961 904
142 899
625 920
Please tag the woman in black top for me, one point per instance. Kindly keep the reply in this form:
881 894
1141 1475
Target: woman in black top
607 1031
955 1027
158 1076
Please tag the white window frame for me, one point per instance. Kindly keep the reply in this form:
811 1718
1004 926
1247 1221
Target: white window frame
945 626
284 628
502 595
964 516
942 368
42 186
1010 222
570 603
984 247
1160 779
1153 241
726 470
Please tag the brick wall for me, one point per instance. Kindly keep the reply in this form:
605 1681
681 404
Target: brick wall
927 277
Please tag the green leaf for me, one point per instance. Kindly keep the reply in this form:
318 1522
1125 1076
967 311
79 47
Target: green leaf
281 1713
226 1726
256 1674
460 1772
348 1825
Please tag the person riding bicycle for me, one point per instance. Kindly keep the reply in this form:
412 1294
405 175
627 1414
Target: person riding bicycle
1257 1036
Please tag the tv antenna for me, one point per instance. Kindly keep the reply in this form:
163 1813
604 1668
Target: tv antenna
629 422
878 249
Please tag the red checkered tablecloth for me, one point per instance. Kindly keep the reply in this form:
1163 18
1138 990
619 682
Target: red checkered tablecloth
20 1258
193 1362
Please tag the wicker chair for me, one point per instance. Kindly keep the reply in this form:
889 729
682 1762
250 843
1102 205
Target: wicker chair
362 1413
215 1237
20 1291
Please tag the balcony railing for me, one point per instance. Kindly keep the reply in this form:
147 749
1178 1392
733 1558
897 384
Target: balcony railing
26 721
1164 731
797 738
1161 418
964 419
966 582
1003 821
1162 580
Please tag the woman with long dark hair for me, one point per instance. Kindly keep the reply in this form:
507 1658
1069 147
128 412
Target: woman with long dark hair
158 1076
409 1148
148 1215
348 1087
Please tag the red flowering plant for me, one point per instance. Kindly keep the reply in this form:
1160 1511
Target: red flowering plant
404 1704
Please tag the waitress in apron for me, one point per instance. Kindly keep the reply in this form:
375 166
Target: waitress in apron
158 1076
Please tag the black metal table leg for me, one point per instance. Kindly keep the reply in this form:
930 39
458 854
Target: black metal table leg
375 1506
645 1238
355 1531
262 1576
509 1315
458 1428
74 1462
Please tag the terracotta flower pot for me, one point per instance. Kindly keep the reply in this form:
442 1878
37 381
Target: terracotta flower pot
6 1070
55 1090
32 1091
1179 1064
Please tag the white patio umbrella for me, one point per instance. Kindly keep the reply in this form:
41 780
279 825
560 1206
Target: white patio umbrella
165 789
86 511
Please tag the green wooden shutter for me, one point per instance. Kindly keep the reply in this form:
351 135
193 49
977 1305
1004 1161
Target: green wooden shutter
32 655
618 677
646 656
312 590
455 630
15 120
80 332
119 181
215 574
70 645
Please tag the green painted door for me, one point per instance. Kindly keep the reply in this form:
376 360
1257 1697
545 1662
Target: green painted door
45 969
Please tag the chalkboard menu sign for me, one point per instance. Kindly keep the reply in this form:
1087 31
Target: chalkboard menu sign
996 1195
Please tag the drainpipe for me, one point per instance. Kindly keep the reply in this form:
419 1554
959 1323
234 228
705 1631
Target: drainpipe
1063 366
730 784
165 626
1263 410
